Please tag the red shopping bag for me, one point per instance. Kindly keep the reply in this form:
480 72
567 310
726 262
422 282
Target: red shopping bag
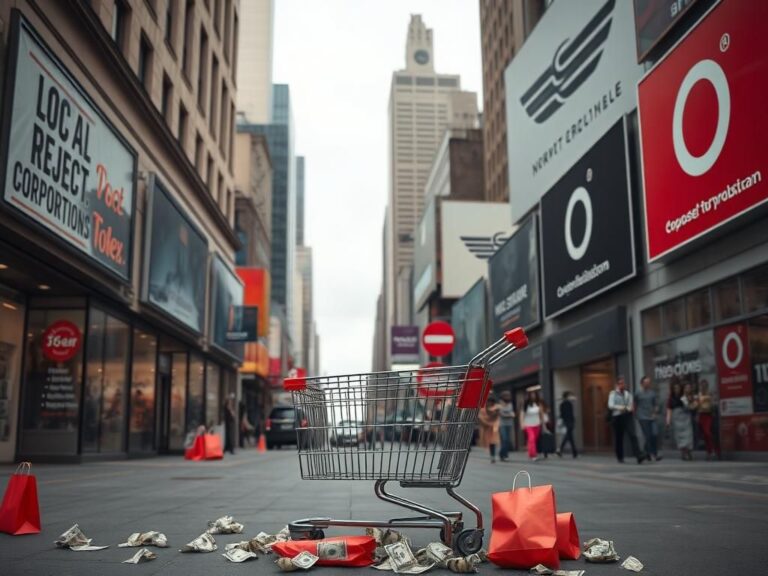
213 450
196 452
568 543
524 527
336 551
20 512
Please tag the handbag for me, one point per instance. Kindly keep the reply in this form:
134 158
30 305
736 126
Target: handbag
336 551
20 510
568 543
524 527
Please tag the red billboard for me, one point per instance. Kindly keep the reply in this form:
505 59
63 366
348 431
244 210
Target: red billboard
734 369
704 127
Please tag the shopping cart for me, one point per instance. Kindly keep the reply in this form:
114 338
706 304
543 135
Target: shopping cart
412 426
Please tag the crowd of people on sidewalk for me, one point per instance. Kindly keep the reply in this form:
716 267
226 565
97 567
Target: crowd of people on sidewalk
689 416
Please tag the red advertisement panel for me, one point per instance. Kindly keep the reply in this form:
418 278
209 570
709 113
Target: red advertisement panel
734 368
704 127
744 433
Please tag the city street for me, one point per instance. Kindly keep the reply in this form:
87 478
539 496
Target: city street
676 517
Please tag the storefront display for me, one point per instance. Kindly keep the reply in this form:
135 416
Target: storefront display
141 431
11 340
226 303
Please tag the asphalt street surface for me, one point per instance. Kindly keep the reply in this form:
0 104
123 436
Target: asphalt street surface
678 518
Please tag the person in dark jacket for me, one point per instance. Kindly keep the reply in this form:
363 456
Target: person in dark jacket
230 420
569 421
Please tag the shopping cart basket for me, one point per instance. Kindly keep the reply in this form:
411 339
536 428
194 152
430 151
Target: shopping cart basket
412 426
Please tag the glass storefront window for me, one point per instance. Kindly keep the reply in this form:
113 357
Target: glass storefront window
673 314
756 290
196 399
212 394
141 437
699 313
178 401
93 381
652 324
11 340
52 381
726 299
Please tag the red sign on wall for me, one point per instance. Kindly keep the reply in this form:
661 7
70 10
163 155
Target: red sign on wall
61 341
733 366
704 127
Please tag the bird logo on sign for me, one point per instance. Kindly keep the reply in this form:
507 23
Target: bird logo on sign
483 247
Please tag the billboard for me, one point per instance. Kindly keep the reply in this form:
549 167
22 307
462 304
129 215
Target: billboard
67 170
654 19
470 233
587 241
226 306
176 260
514 277
704 128
404 344
572 80
425 257
468 318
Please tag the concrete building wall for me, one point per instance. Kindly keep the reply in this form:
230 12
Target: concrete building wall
254 79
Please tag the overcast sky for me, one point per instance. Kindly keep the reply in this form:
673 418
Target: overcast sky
338 57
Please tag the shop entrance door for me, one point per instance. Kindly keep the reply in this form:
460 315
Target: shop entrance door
163 400
597 381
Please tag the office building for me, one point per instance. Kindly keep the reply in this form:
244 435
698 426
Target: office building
254 78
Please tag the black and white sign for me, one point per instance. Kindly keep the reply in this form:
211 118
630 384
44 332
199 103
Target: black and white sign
176 260
67 169
586 227
244 324
571 81
514 278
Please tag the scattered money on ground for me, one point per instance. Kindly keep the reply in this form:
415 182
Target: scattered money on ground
304 560
542 570
251 545
632 563
151 538
142 555
265 540
74 539
203 543
224 525
466 565
598 550
239 555
383 537
333 550
286 565
402 560
435 553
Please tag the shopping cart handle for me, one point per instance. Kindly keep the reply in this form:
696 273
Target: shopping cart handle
517 337
295 384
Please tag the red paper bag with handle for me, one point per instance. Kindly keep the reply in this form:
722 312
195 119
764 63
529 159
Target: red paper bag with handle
568 543
20 512
524 527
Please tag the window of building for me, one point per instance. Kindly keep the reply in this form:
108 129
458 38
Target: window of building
170 20
227 30
213 116
189 23
404 80
726 299
202 75
210 177
756 289
183 119
230 145
141 428
144 70
167 99
216 15
673 315
199 154
120 17
223 124
212 394
698 309
196 394
235 40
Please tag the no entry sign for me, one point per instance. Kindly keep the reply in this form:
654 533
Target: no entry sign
438 339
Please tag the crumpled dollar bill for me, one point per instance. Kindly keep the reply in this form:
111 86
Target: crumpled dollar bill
203 543
142 555
151 538
304 560
466 565
224 525
74 539
265 541
332 550
435 553
598 550
402 560
251 545
286 565
383 537
632 563
544 571
239 555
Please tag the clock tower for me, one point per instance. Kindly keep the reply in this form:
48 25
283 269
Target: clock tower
418 47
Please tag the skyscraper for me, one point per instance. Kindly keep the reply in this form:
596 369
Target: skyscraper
300 200
254 75
422 105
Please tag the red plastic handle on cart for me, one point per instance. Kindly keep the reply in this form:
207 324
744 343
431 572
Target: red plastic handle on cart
295 384
471 395
517 337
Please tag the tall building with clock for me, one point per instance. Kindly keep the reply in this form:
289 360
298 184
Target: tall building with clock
422 104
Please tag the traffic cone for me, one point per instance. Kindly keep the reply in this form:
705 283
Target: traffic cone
262 447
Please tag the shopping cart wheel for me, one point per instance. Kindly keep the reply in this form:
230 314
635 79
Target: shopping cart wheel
469 541
316 535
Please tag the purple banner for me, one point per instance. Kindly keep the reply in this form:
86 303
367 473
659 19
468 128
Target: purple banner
404 343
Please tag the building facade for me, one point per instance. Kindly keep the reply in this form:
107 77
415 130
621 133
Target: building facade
118 184
300 202
254 79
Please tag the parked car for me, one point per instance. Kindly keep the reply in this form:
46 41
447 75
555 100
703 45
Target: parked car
348 433
281 425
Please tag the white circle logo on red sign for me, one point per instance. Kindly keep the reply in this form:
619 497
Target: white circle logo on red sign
710 71
732 363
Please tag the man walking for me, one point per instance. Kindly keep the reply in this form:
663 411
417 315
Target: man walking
647 409
569 421
621 408
507 427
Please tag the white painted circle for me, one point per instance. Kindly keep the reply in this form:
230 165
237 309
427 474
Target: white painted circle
710 71
579 195
732 362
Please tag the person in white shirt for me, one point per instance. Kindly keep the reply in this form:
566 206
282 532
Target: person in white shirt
621 408
507 428
531 417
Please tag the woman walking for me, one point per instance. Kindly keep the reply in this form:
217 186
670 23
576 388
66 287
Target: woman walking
531 418
679 418
489 427
706 410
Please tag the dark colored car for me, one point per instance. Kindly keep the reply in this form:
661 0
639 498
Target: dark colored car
281 426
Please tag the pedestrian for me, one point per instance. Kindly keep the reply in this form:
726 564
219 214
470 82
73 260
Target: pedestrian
546 442
621 408
569 423
489 418
692 405
507 425
679 418
647 412
706 410
531 421
230 420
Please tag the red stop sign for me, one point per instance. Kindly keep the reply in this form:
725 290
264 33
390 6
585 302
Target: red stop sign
61 341
438 339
